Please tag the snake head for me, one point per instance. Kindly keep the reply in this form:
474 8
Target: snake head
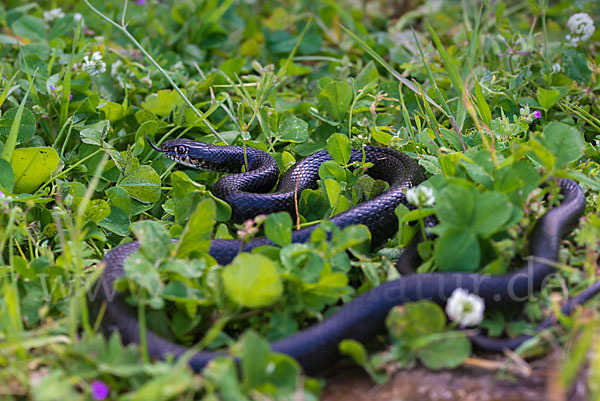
184 151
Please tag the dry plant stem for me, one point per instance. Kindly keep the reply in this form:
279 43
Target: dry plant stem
499 365
458 132
123 28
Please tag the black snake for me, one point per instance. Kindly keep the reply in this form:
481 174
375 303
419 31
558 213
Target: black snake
317 346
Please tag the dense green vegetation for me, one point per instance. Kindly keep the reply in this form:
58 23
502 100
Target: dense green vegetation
492 99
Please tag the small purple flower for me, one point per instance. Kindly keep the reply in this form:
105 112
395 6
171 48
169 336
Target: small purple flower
99 390
52 88
537 114
70 96
141 2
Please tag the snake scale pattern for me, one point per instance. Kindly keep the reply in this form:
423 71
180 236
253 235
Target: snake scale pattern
316 347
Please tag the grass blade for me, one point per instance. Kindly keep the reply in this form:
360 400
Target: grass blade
7 87
390 69
430 74
453 74
66 92
11 141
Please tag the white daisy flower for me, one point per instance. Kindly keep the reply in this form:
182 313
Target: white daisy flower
464 308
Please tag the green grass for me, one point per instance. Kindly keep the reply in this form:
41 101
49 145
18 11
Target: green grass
490 98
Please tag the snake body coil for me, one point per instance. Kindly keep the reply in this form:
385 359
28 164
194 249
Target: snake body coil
316 347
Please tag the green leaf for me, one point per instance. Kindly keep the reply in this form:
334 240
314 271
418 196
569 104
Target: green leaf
112 111
414 320
143 184
332 169
355 350
117 222
478 174
162 102
252 281
255 358
492 210
30 28
339 148
120 198
22 267
148 128
482 105
154 239
564 141
143 272
447 205
349 237
445 351
193 268
326 291
576 66
335 99
97 210
292 129
333 189
7 177
457 251
61 27
417 214
32 167
278 228
302 261
9 40
197 233
368 74
26 125
284 372
543 155
500 7
381 136
94 134
517 180
547 98
358 353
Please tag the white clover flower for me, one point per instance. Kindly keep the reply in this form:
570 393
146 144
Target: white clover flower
464 308
556 68
178 66
94 65
78 17
420 196
582 28
114 68
53 14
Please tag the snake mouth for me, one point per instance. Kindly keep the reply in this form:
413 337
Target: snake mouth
153 146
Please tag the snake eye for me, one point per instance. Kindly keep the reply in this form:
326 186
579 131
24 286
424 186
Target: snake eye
181 149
